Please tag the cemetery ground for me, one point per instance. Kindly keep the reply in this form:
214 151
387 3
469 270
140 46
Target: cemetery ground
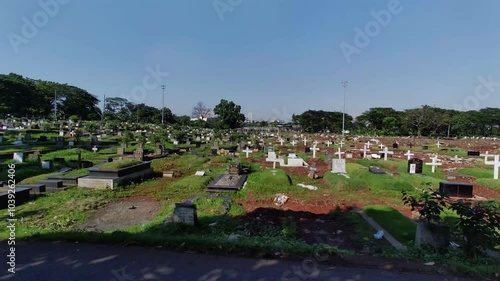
323 224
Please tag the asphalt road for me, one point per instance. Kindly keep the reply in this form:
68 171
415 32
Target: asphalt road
61 261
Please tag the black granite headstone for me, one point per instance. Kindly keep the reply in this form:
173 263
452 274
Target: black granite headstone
456 189
419 164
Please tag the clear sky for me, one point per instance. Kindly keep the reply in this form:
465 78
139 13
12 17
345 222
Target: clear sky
273 57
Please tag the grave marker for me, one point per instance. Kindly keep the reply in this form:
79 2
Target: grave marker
434 163
415 166
338 166
496 165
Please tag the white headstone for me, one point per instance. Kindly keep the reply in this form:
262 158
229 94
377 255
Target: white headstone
18 157
200 173
413 169
338 166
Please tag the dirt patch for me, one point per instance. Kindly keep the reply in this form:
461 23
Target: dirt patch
128 212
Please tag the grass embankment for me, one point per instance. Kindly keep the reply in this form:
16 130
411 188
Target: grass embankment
399 226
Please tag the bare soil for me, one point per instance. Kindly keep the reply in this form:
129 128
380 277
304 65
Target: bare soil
128 212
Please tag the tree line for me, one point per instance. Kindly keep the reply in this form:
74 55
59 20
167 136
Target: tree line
23 97
423 121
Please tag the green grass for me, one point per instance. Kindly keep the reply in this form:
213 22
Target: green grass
489 183
120 164
477 173
402 228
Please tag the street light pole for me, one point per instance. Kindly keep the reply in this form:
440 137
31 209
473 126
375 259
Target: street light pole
344 85
162 101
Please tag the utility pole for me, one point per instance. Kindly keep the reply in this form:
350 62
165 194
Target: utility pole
344 85
162 102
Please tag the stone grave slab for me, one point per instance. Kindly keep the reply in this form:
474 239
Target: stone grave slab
456 189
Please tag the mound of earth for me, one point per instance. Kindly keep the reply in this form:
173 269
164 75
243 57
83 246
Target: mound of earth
125 213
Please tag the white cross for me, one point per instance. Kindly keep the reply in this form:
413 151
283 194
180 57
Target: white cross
365 150
341 143
409 154
328 143
457 159
247 151
367 144
374 140
386 151
315 143
305 141
438 144
434 163
94 149
339 153
294 142
281 140
314 149
496 165
381 146
486 155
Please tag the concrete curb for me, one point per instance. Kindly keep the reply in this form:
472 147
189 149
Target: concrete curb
395 243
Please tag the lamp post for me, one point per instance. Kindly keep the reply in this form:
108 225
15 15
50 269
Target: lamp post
344 85
162 101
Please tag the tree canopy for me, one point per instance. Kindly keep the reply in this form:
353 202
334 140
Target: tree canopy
229 115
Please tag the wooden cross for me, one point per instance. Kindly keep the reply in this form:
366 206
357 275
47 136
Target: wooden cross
409 154
365 150
339 153
434 163
496 165
314 149
247 151
386 151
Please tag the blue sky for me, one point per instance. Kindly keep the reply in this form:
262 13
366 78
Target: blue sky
274 58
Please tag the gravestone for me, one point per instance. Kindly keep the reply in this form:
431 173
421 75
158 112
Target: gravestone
376 170
18 157
473 153
185 213
71 143
120 151
415 166
425 147
456 189
46 164
139 154
395 145
338 166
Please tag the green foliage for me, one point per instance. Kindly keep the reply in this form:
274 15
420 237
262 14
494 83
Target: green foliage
229 115
428 205
318 120
479 225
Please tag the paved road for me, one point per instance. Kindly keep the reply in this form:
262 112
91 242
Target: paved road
61 261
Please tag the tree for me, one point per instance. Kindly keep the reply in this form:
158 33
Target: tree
201 111
373 119
118 108
314 121
229 115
